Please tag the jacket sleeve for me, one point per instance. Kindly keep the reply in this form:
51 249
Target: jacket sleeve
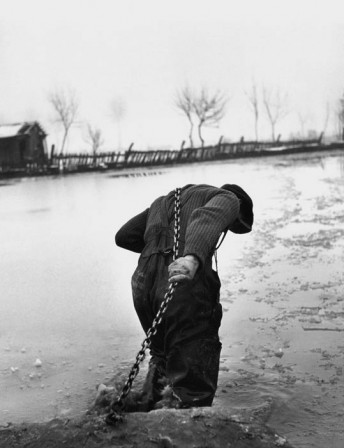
208 222
130 235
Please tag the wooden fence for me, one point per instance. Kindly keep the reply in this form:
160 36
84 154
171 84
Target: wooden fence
135 158
69 163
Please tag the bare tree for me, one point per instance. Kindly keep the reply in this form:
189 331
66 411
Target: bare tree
327 117
252 96
118 110
275 104
66 107
209 109
303 119
94 138
185 102
340 117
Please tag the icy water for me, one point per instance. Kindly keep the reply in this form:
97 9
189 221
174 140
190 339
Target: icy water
66 317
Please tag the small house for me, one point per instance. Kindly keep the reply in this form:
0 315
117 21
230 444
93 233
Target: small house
22 143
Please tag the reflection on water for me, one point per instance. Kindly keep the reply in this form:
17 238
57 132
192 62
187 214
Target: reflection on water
341 165
333 167
65 288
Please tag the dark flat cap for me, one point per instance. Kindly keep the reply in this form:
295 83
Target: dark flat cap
245 222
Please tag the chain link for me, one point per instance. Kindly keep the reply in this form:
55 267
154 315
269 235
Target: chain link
117 405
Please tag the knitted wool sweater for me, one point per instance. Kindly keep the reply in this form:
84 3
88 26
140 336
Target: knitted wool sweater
206 212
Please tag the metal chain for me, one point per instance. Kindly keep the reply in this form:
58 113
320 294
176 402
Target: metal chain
117 405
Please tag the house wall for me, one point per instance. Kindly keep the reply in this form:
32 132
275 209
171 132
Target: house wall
20 149
9 151
35 148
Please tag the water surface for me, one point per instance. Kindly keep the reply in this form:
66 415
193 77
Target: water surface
65 291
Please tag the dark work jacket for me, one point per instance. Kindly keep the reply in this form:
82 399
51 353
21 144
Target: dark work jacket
206 212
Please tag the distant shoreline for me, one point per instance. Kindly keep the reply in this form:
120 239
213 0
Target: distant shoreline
133 162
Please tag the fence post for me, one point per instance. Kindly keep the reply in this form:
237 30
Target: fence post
52 153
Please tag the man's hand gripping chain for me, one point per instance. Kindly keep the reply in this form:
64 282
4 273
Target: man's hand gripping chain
183 269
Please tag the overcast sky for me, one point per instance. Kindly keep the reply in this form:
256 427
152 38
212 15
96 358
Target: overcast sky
143 51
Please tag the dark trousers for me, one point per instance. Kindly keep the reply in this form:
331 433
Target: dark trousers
186 347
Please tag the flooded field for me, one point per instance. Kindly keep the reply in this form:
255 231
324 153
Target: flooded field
67 321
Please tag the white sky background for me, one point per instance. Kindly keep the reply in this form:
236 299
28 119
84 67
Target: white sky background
143 51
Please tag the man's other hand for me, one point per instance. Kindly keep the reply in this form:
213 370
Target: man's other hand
183 269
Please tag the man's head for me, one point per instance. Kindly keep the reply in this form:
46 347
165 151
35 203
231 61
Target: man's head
245 221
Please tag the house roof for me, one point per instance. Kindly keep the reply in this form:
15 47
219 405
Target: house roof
12 130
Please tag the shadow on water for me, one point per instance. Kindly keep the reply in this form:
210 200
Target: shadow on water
333 165
136 173
39 210
341 164
297 411
8 183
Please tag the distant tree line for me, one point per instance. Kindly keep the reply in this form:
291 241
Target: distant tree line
202 108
